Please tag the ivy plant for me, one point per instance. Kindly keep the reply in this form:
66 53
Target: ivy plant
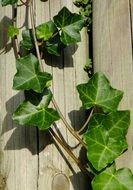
106 127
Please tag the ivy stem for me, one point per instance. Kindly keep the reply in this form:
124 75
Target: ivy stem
34 35
77 161
15 39
66 123
87 121
53 100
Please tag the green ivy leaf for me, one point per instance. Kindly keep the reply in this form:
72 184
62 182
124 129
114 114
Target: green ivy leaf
35 98
40 116
70 25
103 149
105 137
112 179
117 123
98 92
13 31
28 75
27 42
8 2
46 30
54 46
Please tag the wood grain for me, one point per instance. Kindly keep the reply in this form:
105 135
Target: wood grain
112 45
18 148
31 160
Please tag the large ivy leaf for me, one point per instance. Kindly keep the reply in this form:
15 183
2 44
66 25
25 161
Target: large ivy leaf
117 123
70 25
98 92
46 30
27 42
8 2
41 115
35 98
112 179
28 75
103 149
54 45
105 137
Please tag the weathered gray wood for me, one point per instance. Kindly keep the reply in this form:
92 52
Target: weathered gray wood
113 54
67 72
28 160
18 147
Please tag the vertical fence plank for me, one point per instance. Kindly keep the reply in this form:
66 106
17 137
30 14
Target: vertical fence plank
113 54
18 147
30 160
67 70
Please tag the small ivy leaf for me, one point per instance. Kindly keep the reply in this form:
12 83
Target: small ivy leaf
36 98
13 31
8 2
117 123
28 75
98 92
45 31
112 179
103 149
54 46
40 116
27 42
70 25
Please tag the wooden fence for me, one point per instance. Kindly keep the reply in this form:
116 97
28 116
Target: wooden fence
30 160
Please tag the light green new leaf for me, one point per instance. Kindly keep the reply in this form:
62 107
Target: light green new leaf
8 2
46 30
13 31
28 75
117 123
98 92
103 149
40 116
112 179
70 25
27 42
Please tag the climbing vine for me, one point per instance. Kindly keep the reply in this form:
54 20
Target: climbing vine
106 127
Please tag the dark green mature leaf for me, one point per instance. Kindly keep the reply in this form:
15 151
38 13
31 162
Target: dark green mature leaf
41 115
13 31
112 179
117 123
103 149
70 25
27 42
105 137
98 92
46 30
54 45
35 98
96 120
8 2
28 75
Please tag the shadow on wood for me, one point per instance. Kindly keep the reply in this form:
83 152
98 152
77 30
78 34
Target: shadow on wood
5 45
22 136
66 54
